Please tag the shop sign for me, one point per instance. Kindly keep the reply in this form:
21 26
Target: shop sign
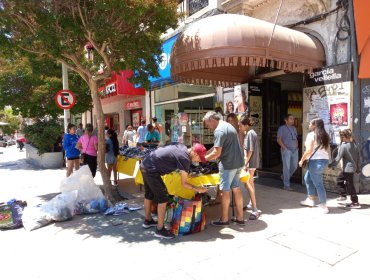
136 104
164 68
119 84
111 88
196 5
329 75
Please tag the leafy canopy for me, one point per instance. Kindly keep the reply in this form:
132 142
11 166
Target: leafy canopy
29 86
124 34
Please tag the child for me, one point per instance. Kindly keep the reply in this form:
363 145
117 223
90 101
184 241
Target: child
349 153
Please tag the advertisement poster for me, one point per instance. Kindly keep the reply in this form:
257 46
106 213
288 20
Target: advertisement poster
328 95
236 99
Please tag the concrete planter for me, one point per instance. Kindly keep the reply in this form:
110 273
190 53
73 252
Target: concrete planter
44 161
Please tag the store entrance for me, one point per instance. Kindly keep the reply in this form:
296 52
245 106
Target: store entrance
280 96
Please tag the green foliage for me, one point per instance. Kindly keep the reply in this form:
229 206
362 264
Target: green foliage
124 34
29 85
43 134
14 122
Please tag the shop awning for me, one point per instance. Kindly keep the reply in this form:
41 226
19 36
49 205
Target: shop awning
225 49
362 21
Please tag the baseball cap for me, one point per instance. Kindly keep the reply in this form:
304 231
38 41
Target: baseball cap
201 151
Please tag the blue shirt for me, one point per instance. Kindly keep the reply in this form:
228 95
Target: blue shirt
153 136
288 135
142 130
69 145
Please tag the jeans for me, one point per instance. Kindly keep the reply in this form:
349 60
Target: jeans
290 164
313 178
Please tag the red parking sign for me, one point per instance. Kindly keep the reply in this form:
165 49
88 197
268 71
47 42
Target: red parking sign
65 99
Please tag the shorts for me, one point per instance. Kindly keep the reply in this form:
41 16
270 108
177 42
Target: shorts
154 187
229 179
73 158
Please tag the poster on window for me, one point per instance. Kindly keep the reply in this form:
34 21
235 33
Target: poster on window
328 95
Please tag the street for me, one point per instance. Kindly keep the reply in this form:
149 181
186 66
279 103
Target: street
287 242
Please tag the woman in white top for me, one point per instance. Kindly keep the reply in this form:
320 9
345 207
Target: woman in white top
317 151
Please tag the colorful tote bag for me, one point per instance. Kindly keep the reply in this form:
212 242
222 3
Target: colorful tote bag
188 216
11 214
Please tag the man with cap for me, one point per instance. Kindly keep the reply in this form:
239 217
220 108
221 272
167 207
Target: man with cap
162 161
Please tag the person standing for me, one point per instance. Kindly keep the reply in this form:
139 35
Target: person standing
70 140
348 152
251 157
157 126
152 136
88 144
140 134
287 138
111 154
317 151
128 136
229 152
79 130
163 161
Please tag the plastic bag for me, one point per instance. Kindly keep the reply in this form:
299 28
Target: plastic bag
11 214
34 217
61 207
83 182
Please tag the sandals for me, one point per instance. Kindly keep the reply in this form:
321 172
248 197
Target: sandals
241 223
219 223
254 215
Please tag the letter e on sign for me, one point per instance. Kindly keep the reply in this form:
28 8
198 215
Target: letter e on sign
65 99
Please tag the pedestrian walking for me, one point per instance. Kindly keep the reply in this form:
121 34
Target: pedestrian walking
251 158
163 161
111 153
317 153
287 138
228 151
349 154
70 140
88 145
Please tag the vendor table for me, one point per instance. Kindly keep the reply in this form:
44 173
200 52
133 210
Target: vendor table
172 180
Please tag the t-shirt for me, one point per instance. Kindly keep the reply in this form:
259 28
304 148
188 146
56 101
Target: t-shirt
225 136
251 144
152 136
69 145
142 130
167 159
88 146
321 153
129 135
288 135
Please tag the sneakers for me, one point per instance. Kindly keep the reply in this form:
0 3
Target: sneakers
240 223
219 223
352 206
255 215
149 224
323 209
164 233
308 202
248 207
342 198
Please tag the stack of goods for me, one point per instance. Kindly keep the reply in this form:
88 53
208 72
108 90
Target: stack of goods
135 152
203 169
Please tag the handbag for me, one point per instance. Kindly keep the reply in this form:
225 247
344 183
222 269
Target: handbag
83 155
307 160
11 214
188 216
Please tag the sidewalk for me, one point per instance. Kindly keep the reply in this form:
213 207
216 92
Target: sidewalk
287 242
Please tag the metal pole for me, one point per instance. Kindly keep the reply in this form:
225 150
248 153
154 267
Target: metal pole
65 86
357 108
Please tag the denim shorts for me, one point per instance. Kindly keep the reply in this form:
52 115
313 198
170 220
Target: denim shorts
229 179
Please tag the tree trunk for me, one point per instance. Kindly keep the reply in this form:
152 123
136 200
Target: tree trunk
108 189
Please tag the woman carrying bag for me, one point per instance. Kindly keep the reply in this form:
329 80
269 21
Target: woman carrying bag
88 145
317 153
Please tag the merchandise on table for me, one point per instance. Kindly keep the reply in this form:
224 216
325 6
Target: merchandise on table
135 152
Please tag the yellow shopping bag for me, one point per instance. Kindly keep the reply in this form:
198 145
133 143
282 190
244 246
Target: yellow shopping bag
244 176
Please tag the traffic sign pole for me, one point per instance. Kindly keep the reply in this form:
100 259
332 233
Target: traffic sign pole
65 86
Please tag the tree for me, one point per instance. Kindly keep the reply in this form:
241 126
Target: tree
122 34
29 86
6 115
